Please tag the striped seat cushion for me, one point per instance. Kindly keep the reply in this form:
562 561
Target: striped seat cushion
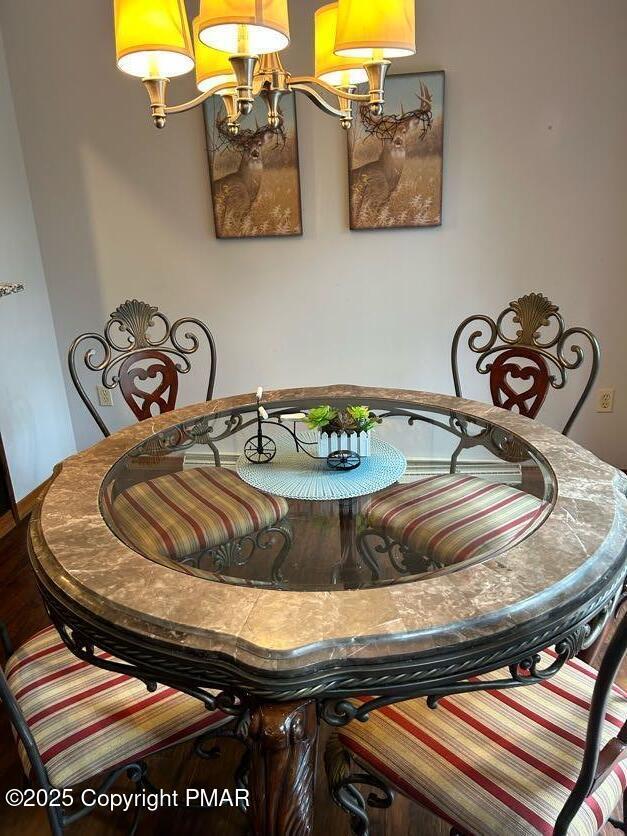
453 518
496 762
86 720
183 513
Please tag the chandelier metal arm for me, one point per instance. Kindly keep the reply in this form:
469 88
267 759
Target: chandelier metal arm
181 108
297 80
156 88
269 77
304 84
315 97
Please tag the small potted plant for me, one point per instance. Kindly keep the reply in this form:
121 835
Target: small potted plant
342 429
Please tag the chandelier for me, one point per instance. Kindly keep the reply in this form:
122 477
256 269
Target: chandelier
235 47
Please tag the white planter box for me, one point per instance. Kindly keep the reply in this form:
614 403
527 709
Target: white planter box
355 442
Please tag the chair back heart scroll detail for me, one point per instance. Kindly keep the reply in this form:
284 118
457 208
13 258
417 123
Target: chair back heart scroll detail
135 332
529 401
532 329
163 396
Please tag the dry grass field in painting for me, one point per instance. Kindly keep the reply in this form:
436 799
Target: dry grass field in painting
276 208
397 181
416 201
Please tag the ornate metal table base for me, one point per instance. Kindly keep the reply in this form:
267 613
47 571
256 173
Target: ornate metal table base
343 786
237 553
372 542
280 731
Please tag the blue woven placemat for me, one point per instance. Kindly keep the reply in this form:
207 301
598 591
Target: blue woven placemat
295 475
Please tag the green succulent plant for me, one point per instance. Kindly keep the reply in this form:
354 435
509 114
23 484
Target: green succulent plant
320 417
362 417
351 419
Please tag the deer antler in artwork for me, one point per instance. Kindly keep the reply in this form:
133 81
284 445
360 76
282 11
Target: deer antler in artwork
386 127
245 140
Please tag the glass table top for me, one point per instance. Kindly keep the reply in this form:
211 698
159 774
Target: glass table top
227 497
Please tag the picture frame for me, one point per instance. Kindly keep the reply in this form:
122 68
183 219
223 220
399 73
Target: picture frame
396 162
255 175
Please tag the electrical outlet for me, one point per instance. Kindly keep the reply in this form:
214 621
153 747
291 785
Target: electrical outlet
105 397
605 400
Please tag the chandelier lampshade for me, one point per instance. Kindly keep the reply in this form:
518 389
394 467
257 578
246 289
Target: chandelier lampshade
152 38
213 67
335 70
375 29
244 27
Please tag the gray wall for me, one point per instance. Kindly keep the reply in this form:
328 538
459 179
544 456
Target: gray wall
34 418
534 199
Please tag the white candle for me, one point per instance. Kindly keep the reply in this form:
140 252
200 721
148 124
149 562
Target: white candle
259 393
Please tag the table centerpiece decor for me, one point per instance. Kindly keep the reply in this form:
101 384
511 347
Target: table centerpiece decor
342 429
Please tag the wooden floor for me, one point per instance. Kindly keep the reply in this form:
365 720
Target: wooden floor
21 610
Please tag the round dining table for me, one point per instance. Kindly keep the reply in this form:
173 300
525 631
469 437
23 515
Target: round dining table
277 589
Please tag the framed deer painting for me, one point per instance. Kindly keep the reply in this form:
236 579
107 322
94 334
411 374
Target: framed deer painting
396 160
255 178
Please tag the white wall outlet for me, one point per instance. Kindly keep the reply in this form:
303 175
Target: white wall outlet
105 396
605 400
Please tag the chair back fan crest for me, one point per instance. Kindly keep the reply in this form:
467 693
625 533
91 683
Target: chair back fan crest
139 344
540 351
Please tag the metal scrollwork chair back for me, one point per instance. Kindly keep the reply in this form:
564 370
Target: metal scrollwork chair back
139 344
547 359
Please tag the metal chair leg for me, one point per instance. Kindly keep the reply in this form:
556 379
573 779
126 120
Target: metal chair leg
621 825
588 775
55 818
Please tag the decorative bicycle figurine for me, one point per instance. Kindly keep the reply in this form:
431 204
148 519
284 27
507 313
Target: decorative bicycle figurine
260 448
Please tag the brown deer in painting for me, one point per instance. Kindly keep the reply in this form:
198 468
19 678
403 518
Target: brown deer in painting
236 193
374 183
